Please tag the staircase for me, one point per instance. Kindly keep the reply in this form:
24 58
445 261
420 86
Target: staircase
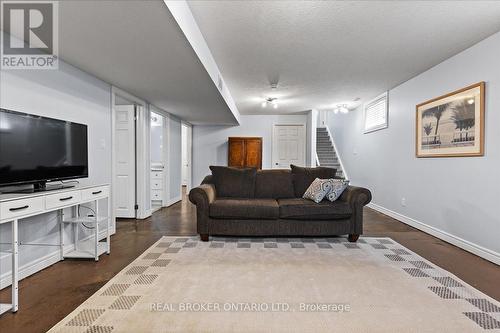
325 150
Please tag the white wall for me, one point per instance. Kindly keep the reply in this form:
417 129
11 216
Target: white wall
175 159
454 198
68 94
210 142
312 121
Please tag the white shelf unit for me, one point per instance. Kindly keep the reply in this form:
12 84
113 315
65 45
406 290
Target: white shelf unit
89 247
85 219
4 307
157 186
16 208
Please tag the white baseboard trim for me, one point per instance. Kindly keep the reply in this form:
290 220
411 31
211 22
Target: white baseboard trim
147 213
31 268
172 201
478 250
38 264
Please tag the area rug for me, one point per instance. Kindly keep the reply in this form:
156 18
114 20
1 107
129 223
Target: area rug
181 284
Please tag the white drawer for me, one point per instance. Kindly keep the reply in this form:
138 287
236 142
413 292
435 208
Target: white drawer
22 207
156 184
62 199
157 174
95 193
156 195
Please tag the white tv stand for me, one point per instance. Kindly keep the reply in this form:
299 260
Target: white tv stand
16 207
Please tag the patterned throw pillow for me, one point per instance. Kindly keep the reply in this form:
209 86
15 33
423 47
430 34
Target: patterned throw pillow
318 189
303 177
338 186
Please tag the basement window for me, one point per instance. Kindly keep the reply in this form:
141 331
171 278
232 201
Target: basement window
376 113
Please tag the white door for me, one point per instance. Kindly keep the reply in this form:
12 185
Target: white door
124 184
289 146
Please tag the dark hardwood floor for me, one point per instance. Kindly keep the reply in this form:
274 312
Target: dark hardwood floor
49 295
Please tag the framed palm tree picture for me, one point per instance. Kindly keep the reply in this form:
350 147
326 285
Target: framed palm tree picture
452 125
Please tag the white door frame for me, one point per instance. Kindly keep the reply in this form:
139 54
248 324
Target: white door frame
189 145
304 134
143 163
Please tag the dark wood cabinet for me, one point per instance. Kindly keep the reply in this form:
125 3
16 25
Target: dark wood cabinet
245 152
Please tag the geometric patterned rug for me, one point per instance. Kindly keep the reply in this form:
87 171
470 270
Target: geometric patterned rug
181 284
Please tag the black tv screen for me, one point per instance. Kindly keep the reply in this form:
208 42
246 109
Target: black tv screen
36 149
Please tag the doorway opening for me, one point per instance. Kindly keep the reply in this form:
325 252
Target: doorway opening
186 155
125 151
158 161
129 148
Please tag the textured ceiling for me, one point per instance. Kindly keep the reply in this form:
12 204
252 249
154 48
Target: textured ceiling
138 46
329 52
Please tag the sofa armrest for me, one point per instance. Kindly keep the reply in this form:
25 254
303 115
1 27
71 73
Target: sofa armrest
202 193
202 196
357 197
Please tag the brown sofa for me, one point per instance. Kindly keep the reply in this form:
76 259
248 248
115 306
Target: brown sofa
235 202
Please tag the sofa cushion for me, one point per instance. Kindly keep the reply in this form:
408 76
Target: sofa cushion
303 177
275 184
233 182
228 208
303 209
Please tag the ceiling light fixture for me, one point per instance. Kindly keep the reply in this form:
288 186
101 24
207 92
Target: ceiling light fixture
270 100
342 108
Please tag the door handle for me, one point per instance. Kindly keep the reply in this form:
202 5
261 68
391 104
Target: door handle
96 192
65 199
18 208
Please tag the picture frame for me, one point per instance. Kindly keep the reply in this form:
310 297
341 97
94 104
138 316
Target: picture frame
452 125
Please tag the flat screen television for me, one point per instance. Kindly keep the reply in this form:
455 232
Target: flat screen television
36 150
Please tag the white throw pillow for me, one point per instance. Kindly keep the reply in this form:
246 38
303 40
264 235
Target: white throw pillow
338 186
318 189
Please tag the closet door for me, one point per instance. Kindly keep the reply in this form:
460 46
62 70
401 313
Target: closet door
253 153
236 152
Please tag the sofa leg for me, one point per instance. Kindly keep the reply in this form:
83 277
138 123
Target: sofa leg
353 238
204 237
